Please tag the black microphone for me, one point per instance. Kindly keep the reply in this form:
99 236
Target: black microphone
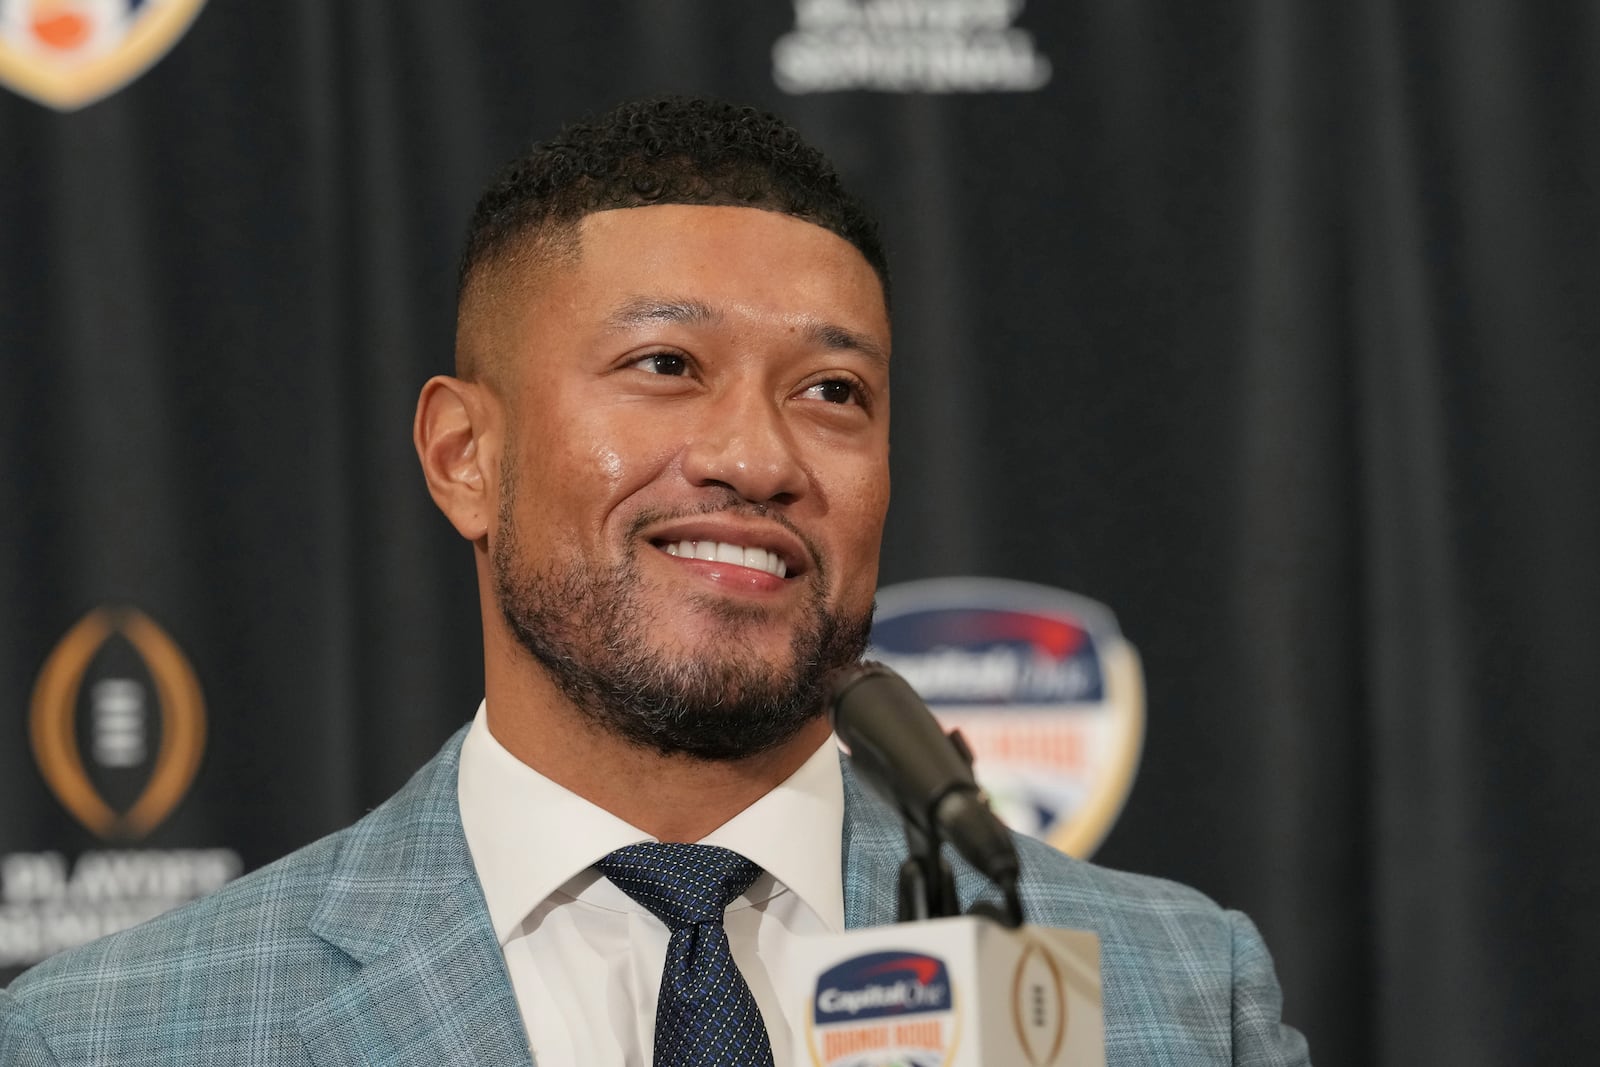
900 751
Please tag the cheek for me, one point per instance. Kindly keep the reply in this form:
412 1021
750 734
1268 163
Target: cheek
592 467
860 510
609 465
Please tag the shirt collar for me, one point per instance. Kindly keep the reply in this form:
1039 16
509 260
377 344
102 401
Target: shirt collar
795 832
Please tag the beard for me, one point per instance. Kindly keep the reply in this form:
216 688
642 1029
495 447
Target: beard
589 628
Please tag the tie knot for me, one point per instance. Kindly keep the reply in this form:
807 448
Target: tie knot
682 885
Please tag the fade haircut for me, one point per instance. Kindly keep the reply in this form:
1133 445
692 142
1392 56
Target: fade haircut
661 150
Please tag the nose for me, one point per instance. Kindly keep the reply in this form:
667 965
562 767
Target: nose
742 442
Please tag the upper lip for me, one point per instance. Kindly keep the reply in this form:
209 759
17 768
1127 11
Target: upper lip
751 534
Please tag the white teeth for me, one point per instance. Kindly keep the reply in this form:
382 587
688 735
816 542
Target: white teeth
723 552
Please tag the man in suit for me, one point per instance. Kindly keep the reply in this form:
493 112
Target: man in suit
667 443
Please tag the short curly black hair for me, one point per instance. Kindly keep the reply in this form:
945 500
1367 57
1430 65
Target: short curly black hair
666 150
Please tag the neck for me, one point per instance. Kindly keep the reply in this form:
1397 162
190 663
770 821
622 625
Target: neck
673 798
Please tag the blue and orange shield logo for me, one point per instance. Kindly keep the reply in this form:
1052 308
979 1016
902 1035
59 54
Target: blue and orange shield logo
68 53
1042 685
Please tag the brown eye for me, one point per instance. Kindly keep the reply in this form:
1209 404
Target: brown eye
835 391
668 363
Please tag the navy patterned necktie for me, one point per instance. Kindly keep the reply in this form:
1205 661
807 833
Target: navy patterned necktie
705 1015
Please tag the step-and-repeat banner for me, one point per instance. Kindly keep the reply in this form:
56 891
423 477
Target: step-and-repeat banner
1248 336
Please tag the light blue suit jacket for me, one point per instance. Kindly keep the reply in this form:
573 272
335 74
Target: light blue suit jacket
373 946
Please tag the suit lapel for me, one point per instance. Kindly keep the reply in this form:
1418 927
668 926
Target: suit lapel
874 843
439 996
874 847
430 986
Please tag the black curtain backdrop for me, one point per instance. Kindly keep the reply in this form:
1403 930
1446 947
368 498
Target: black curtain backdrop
1271 325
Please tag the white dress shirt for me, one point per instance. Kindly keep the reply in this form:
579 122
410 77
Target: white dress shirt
585 959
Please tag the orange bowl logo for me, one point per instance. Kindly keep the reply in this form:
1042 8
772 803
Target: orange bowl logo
1042 685
68 53
118 727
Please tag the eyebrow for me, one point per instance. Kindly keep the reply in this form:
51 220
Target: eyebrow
643 311
838 339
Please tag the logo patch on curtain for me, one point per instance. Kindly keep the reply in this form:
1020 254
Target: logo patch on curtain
95 692
1042 685
69 53
118 728
908 46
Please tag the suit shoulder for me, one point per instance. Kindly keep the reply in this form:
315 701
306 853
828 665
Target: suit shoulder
1057 885
262 915
237 964
1042 862
260 925
230 974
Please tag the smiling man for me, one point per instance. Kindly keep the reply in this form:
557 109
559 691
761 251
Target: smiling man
666 441
673 461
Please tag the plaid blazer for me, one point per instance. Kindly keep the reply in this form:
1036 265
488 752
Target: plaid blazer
373 946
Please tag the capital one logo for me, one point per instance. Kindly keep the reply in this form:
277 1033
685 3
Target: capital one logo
139 688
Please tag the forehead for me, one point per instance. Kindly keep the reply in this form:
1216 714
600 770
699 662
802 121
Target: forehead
748 253
748 266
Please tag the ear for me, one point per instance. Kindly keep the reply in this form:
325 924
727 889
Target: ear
457 441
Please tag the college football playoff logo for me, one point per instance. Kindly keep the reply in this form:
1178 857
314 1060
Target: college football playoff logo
116 725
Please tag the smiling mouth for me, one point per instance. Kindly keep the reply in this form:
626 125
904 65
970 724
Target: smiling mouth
757 559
